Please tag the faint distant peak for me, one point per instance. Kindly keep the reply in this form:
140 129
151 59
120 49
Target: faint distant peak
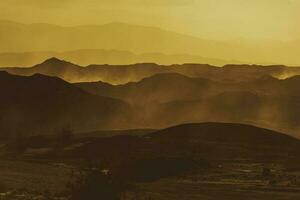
56 61
39 75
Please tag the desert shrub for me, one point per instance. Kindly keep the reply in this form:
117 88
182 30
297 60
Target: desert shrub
272 181
266 172
93 184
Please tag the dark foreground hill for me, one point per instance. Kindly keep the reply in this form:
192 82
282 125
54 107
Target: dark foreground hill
226 141
40 104
205 159
171 151
222 141
213 142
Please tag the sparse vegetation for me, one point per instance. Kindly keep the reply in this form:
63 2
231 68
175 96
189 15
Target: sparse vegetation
95 184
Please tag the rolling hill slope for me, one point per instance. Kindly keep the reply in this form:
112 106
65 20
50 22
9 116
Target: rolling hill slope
209 141
41 104
169 99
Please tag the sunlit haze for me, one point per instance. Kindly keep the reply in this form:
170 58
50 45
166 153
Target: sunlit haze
209 19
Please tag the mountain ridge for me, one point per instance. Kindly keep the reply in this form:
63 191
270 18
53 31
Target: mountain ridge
175 98
137 39
122 74
97 56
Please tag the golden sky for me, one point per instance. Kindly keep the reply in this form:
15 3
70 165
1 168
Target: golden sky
209 19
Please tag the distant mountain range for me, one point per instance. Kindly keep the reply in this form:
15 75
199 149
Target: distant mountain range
121 74
113 57
16 37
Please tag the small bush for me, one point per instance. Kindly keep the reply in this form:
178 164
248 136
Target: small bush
93 184
266 173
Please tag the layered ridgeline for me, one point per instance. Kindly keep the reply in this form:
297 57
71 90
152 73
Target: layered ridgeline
41 104
121 74
112 57
170 98
16 37
168 95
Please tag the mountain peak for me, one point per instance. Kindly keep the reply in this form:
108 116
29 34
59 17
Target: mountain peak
53 60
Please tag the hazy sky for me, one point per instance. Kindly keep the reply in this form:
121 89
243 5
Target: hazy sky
209 19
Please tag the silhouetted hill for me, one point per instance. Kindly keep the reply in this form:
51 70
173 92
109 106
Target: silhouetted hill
74 73
40 104
226 141
209 141
159 88
240 134
51 67
53 63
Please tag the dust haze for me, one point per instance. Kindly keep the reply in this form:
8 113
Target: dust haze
149 100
